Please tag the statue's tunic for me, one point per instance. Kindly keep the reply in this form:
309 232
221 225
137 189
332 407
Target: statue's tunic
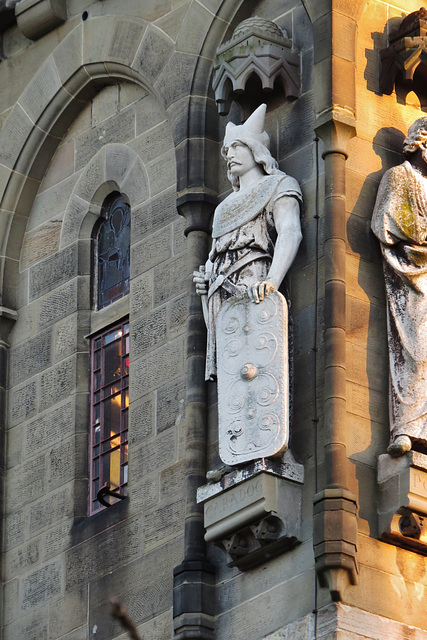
244 235
400 223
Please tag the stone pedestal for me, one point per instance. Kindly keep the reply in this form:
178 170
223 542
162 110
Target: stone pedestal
402 505
254 513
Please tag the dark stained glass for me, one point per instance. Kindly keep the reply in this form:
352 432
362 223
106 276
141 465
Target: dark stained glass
112 251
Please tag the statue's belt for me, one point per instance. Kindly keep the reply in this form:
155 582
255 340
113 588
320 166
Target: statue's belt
223 280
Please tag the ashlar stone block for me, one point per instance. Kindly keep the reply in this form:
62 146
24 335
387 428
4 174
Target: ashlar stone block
41 585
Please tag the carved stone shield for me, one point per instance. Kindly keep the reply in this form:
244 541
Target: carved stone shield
253 378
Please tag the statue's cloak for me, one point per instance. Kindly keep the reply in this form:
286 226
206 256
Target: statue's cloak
400 223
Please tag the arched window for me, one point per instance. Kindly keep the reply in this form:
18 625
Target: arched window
108 442
111 255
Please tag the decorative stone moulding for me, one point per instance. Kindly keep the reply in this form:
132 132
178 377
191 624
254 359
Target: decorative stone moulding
258 47
404 62
37 17
402 506
255 513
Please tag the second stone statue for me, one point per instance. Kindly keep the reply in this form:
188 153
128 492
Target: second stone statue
256 234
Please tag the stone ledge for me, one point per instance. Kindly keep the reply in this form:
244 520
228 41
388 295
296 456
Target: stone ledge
254 513
402 504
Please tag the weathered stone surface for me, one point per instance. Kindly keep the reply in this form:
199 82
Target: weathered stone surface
61 463
175 80
105 104
26 482
168 406
154 455
65 337
153 53
141 416
100 555
13 134
149 114
31 627
154 143
172 479
58 383
93 175
153 214
68 613
15 529
179 239
40 243
50 203
148 332
163 523
141 294
177 314
30 358
151 251
166 287
57 538
155 369
162 173
118 128
74 216
53 271
142 603
48 428
41 585
20 560
135 183
145 493
60 303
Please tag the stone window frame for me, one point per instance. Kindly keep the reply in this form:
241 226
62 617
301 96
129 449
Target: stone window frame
102 492
114 168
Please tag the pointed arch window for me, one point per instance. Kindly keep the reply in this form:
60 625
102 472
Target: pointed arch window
111 252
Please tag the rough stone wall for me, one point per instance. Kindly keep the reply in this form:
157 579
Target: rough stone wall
61 567
389 577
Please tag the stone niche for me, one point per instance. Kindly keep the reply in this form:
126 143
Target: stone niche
255 513
402 504
37 17
258 48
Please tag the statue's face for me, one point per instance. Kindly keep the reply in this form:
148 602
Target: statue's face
239 159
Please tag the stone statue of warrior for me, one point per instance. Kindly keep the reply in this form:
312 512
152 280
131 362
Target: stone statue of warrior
256 229
400 223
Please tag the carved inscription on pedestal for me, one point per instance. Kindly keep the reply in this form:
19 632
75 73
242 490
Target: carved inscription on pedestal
252 378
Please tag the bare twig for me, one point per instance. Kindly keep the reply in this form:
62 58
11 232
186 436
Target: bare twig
119 612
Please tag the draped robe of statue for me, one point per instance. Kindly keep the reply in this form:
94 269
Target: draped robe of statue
244 235
400 223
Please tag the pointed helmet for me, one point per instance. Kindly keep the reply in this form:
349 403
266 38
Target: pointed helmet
251 130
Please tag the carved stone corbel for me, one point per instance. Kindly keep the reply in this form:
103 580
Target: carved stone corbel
259 47
37 17
404 61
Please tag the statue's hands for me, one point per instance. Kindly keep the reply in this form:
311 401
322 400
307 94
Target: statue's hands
199 279
259 290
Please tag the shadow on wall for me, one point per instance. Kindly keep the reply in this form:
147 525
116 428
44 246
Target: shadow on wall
387 144
406 91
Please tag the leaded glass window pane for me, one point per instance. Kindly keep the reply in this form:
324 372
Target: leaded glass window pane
112 252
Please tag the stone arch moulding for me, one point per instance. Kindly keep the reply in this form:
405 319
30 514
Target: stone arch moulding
118 168
54 97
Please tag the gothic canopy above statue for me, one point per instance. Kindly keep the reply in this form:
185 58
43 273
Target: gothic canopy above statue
259 47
